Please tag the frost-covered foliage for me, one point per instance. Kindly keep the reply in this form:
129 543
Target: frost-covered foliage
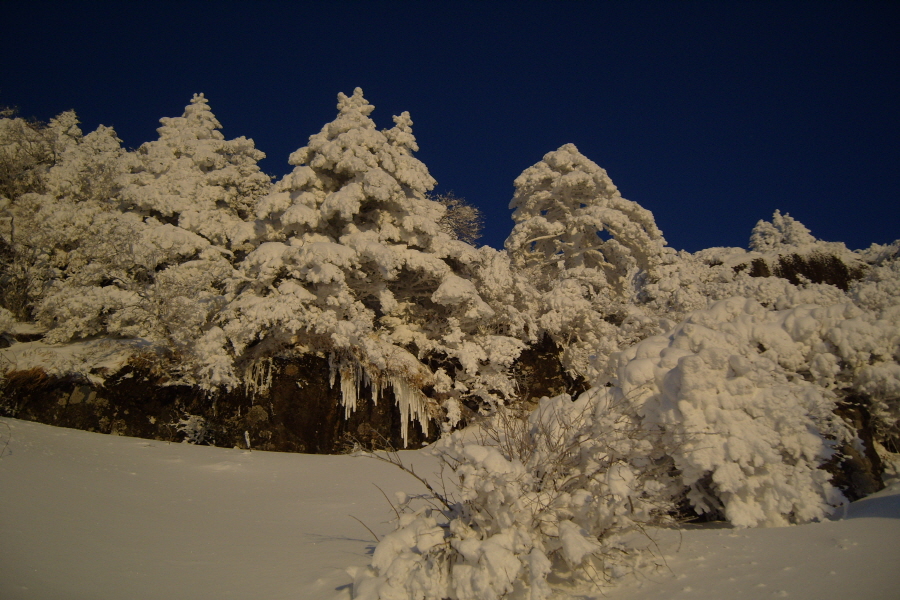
716 414
784 258
70 173
566 492
728 412
748 433
7 321
585 249
194 178
29 148
358 266
785 248
782 231
194 428
146 249
861 345
571 219
716 376
878 367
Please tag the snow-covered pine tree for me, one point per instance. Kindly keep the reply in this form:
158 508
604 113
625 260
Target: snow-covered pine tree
194 178
39 165
156 266
584 247
361 270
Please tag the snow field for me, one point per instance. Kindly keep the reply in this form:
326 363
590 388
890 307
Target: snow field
98 517
91 516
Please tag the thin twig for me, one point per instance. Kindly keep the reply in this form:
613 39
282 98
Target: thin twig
396 512
377 540
399 464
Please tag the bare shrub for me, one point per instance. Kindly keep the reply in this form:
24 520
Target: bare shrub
462 220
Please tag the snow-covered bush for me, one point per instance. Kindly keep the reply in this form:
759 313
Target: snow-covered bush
584 248
565 491
358 267
788 268
748 433
731 413
194 428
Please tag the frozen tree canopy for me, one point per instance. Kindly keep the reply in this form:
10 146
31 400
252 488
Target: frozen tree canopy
141 243
584 248
194 178
357 265
570 218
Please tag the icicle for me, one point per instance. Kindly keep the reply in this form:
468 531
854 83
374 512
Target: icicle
332 369
377 386
351 381
258 378
412 404
353 378
410 400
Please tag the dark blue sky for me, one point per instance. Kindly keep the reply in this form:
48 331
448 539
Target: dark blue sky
711 115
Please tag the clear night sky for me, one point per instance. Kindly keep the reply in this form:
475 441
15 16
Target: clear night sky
711 115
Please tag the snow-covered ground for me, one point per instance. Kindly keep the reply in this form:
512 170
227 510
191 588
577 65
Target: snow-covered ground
93 517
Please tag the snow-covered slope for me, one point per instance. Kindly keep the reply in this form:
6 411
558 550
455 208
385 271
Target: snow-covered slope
857 558
90 516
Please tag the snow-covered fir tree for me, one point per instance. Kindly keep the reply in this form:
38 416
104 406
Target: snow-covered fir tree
194 178
165 249
585 248
360 268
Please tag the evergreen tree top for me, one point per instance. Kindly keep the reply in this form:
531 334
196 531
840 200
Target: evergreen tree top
197 123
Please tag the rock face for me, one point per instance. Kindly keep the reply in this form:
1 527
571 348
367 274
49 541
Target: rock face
857 469
292 407
539 372
289 406
298 411
816 267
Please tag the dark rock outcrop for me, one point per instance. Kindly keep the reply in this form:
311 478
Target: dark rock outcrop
816 267
856 468
298 412
539 372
